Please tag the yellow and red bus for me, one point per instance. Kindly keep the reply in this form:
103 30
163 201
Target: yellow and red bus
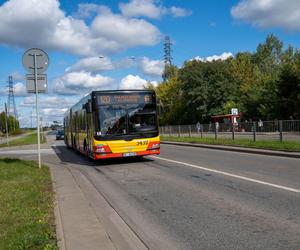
112 124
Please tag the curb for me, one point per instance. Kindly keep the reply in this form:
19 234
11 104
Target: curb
236 149
58 222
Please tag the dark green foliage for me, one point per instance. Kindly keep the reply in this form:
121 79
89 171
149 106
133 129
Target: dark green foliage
12 123
262 85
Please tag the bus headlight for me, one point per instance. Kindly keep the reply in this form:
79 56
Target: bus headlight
103 149
154 146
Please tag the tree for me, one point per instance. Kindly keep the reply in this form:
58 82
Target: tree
169 98
289 87
207 87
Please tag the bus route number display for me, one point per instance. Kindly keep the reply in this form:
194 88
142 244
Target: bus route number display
125 99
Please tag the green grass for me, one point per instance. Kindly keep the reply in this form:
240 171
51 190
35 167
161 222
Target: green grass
261 144
26 206
27 140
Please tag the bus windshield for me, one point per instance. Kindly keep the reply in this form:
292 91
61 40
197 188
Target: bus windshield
127 119
141 118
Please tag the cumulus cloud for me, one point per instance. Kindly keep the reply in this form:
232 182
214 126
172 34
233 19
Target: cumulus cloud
17 76
86 10
75 83
57 102
101 64
141 8
221 57
51 108
269 13
152 67
32 23
54 112
19 90
92 64
119 32
179 12
134 82
150 9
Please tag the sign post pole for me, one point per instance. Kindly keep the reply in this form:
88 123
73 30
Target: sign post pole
37 108
36 61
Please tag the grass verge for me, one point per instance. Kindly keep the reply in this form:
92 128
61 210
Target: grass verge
26 206
261 144
28 139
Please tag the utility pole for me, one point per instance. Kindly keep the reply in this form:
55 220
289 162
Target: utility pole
12 109
167 56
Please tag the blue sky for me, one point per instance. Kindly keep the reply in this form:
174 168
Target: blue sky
119 44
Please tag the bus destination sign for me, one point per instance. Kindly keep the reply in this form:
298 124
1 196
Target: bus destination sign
125 99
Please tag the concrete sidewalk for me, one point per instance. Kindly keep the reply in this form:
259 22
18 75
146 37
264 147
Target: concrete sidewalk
84 218
237 149
76 223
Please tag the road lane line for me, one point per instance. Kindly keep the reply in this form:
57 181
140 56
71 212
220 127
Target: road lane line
231 175
26 152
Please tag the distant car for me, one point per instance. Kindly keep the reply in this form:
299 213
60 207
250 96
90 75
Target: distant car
60 135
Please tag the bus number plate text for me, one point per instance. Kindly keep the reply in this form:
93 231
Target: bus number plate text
142 143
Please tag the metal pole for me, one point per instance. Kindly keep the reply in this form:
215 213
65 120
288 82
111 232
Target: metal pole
201 130
232 127
37 108
254 131
216 131
6 126
42 133
179 132
280 130
190 130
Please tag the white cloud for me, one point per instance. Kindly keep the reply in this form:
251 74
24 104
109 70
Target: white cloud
17 76
19 90
221 57
86 10
179 12
150 9
75 83
33 23
152 67
141 8
48 102
135 82
54 112
118 32
51 108
92 64
269 13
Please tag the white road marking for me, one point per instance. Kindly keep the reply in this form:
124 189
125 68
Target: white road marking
231 175
26 152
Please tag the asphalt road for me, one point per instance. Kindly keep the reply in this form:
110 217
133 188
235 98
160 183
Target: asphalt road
195 198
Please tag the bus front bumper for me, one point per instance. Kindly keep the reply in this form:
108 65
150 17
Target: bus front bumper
125 155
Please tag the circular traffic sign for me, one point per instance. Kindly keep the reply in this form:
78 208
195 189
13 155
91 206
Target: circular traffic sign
42 60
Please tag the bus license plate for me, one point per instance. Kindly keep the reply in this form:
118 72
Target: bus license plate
129 154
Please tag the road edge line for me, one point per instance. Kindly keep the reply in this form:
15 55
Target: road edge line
231 175
235 149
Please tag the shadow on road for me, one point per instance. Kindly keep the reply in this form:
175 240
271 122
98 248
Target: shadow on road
67 155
